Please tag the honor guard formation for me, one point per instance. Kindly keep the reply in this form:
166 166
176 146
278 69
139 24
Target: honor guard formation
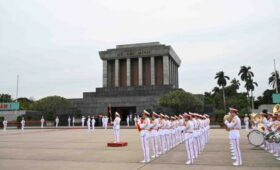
166 132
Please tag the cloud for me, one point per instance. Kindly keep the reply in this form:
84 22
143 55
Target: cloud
54 45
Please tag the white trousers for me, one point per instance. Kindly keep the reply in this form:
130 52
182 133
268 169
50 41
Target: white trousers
88 125
189 147
145 146
247 126
162 142
236 149
116 135
154 143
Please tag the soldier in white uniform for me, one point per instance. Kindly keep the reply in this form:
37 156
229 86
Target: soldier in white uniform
73 121
189 129
127 120
69 121
93 123
161 132
144 126
105 122
42 122
235 126
246 122
154 133
5 124
22 123
116 127
56 121
83 121
88 123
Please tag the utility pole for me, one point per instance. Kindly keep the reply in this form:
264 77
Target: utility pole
276 83
17 88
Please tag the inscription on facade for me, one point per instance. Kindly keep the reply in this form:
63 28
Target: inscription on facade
133 53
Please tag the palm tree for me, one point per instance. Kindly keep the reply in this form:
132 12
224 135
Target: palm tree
250 86
222 81
245 73
235 83
272 80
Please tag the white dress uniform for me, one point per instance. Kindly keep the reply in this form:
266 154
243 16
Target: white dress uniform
69 121
73 121
235 126
42 122
144 126
116 128
154 134
22 124
189 129
88 123
246 122
161 133
93 123
56 121
83 121
5 124
105 122
127 120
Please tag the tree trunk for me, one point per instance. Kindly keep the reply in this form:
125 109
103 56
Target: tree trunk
249 104
252 99
224 98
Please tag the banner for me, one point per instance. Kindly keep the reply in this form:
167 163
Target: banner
9 106
276 98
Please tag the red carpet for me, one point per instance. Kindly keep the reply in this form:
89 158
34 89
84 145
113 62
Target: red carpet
119 144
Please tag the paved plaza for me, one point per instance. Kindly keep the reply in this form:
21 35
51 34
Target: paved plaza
79 149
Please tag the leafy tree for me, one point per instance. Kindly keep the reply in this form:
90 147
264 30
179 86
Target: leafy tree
272 80
5 98
52 105
266 98
180 101
216 90
222 81
25 103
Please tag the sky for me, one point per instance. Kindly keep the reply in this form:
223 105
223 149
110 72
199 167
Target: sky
53 45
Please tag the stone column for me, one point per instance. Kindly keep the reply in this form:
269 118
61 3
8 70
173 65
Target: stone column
128 76
117 72
165 70
105 74
152 70
177 77
140 72
174 74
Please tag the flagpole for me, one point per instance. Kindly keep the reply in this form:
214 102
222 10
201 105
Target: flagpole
17 88
275 77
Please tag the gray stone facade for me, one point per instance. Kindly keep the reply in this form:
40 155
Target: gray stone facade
134 77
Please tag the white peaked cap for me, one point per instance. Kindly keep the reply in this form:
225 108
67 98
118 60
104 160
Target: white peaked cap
146 112
117 114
